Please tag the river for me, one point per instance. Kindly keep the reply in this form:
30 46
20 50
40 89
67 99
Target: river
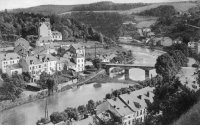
29 113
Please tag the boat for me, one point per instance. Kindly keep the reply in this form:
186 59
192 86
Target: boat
97 85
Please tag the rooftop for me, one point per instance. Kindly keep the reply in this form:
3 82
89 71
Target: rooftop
120 107
8 56
139 99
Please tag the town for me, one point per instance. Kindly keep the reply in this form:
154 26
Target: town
102 63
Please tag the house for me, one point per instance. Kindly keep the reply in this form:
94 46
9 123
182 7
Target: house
166 41
138 100
42 41
7 59
22 47
14 69
129 108
80 63
44 29
194 46
125 39
129 23
56 35
6 48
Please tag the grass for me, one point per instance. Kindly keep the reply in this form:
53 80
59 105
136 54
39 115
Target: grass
192 117
179 6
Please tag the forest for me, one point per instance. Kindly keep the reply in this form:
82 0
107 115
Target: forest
108 24
107 5
15 25
163 10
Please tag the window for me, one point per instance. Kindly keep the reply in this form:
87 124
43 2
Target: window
39 66
140 112
30 68
129 122
137 113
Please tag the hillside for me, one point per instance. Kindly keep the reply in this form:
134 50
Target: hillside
99 6
192 117
14 25
179 6
107 5
46 9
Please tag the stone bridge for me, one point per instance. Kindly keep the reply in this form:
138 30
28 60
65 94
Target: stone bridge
127 67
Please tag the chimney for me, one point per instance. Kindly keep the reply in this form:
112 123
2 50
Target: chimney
128 102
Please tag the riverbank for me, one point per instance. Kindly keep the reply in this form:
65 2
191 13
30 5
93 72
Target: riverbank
8 104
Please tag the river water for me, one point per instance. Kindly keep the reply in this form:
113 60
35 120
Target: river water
28 114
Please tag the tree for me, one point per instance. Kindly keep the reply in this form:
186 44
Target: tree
97 63
10 90
82 109
42 81
26 76
57 117
165 66
50 85
91 106
72 113
172 99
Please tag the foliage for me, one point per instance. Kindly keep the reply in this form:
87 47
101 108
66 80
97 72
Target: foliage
11 89
90 106
96 63
166 10
72 113
15 25
82 109
107 5
181 47
107 23
179 58
57 117
175 27
123 57
43 78
26 76
166 67
172 99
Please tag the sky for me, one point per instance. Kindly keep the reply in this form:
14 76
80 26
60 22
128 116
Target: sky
13 4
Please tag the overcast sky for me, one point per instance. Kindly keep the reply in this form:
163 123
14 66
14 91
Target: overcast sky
11 4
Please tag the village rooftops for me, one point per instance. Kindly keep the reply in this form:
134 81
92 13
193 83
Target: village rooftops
138 99
24 43
120 107
56 33
30 60
8 56
45 39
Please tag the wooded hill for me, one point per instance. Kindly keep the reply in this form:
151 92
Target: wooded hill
12 26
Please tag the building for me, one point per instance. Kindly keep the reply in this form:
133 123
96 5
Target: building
14 69
129 108
8 59
44 29
56 35
138 101
35 65
22 47
42 41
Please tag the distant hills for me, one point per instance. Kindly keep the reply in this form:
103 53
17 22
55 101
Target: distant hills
105 6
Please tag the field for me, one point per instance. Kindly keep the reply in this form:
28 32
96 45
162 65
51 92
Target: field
179 6
144 21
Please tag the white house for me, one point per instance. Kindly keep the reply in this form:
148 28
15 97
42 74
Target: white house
13 69
7 59
44 29
56 35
